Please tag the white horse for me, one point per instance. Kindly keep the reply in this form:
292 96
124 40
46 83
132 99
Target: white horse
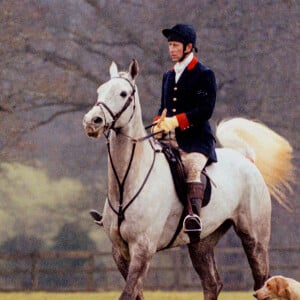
142 210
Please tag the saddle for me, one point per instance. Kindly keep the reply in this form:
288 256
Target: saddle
179 176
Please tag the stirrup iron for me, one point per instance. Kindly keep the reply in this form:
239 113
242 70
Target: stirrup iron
195 219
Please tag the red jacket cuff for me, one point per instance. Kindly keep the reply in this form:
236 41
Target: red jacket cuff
183 121
156 119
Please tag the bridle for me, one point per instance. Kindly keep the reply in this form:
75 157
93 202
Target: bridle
120 212
116 116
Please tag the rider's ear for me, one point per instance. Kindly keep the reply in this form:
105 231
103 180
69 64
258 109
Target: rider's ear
134 69
188 48
113 70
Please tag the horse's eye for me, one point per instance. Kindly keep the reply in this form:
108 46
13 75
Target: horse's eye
123 94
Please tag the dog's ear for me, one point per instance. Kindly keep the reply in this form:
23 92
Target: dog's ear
282 287
288 293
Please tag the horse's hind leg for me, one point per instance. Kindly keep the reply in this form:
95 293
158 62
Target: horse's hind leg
255 241
202 256
123 265
203 259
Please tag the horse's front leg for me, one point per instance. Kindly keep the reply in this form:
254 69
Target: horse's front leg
122 262
140 256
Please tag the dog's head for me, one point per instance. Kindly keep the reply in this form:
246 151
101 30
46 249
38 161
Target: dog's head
275 287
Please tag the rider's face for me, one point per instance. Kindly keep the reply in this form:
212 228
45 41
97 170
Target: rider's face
175 51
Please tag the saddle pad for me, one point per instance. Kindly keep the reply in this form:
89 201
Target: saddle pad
207 188
178 173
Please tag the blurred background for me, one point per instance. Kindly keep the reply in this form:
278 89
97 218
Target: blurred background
53 56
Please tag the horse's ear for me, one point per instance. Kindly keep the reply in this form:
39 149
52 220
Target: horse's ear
134 69
113 70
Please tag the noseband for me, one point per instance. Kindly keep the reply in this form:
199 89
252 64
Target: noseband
116 116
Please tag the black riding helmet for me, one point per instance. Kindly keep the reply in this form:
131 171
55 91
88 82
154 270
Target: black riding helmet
183 33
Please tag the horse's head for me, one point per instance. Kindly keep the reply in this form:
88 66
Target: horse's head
115 104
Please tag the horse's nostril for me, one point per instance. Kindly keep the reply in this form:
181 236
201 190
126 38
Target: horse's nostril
97 120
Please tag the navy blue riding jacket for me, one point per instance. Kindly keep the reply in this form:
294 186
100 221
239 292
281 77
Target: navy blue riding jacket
192 100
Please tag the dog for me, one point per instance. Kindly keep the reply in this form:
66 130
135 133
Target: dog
279 288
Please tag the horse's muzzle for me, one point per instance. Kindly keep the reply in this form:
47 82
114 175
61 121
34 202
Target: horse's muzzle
93 129
93 134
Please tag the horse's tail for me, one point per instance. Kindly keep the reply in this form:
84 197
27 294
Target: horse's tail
270 152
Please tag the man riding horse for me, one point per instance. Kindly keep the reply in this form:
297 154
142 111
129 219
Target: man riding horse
137 191
187 103
188 96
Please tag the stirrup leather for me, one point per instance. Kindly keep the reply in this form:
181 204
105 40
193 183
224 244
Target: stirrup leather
194 221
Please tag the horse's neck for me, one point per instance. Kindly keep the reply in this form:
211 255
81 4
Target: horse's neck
123 150
121 140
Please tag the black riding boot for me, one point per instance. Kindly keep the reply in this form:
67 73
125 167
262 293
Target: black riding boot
192 222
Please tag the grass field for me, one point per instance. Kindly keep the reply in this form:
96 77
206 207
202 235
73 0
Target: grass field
114 295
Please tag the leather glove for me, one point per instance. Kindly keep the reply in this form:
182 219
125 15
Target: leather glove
157 128
168 124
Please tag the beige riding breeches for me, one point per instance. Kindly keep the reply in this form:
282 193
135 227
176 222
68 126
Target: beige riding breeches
194 162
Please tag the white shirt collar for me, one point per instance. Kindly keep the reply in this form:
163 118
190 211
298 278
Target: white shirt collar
180 66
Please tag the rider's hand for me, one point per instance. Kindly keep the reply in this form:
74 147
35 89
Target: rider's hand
156 129
168 124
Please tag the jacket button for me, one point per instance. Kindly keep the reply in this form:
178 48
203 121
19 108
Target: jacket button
175 88
174 110
174 99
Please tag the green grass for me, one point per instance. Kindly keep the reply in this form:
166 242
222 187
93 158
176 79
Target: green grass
158 295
